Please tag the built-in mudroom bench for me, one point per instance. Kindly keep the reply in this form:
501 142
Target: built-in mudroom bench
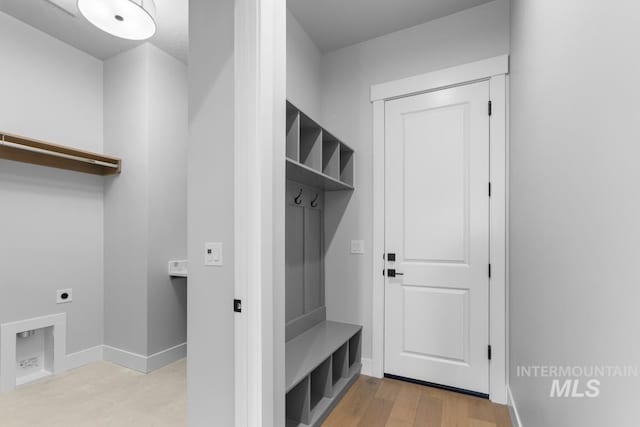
322 356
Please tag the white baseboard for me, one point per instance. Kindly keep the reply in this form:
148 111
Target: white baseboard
125 358
144 364
84 357
166 357
367 367
513 410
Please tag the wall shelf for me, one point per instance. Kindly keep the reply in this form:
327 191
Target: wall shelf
27 150
314 156
306 175
179 268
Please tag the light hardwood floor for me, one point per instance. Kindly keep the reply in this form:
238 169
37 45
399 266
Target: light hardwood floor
100 394
373 402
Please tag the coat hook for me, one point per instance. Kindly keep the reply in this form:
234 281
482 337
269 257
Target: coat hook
298 198
314 202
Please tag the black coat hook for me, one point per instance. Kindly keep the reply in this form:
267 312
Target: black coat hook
314 202
298 198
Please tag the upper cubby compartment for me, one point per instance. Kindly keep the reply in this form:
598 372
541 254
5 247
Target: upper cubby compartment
310 143
293 132
315 156
346 164
330 155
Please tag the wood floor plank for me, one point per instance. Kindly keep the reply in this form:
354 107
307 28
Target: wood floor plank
388 390
403 413
355 403
502 417
377 413
481 409
384 402
429 412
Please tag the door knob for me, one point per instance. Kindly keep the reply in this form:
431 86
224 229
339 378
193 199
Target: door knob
391 272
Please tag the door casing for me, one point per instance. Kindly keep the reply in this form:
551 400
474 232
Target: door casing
494 70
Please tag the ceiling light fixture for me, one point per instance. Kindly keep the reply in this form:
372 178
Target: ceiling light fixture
127 19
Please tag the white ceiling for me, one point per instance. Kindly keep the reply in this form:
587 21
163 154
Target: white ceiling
333 24
67 24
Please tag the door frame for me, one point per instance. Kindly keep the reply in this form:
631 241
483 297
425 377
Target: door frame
494 70
259 180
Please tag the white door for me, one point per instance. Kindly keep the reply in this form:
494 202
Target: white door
437 225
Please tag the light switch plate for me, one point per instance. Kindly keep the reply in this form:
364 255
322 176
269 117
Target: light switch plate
357 246
213 254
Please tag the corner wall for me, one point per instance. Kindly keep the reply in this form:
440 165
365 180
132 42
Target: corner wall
51 234
575 204
145 206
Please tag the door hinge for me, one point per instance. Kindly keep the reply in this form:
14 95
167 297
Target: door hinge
489 352
489 189
237 306
489 108
489 270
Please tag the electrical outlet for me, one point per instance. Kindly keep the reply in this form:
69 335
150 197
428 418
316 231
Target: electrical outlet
64 296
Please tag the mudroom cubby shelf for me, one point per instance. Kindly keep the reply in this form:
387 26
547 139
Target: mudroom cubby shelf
314 155
321 364
323 357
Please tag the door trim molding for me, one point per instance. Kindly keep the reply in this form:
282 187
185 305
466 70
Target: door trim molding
439 79
495 71
259 179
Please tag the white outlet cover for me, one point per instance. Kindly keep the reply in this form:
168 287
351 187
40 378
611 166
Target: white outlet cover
213 254
64 296
357 247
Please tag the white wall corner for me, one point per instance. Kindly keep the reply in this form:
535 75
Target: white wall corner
166 357
513 410
130 360
84 357
367 367
144 364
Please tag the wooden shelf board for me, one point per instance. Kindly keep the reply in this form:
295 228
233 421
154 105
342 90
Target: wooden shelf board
305 175
33 151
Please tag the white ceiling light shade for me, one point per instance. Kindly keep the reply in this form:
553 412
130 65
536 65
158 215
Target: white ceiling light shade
127 19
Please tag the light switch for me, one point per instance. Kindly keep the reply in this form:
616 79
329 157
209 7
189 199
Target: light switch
357 246
213 253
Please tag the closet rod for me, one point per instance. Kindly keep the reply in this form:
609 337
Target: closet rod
56 154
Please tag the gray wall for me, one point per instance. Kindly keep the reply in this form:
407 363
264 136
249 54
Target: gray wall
168 132
145 207
574 204
126 201
303 69
346 77
51 234
210 373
